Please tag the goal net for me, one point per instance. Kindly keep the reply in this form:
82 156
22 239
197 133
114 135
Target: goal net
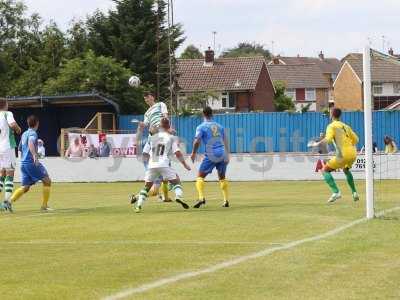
381 83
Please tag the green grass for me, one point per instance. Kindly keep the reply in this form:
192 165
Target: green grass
94 245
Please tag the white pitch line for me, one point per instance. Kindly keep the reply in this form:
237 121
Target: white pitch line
241 259
134 242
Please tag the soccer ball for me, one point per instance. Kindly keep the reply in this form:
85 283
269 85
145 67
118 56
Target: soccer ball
134 81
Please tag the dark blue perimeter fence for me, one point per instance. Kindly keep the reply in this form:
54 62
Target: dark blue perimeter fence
279 132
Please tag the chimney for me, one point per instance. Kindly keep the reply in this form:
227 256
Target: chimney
391 52
275 60
209 57
321 55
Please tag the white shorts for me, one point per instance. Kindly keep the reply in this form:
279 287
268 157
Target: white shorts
8 160
166 173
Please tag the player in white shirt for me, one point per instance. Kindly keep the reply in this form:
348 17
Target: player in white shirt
158 151
8 127
152 120
153 116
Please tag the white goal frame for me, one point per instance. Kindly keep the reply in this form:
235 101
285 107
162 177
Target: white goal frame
369 160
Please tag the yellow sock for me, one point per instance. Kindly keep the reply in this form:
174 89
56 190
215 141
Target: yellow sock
200 187
164 189
17 194
153 192
46 195
224 187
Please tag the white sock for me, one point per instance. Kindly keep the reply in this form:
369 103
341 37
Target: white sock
8 187
178 191
142 197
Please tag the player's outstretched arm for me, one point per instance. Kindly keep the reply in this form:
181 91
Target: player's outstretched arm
11 122
146 152
227 150
196 146
182 160
32 149
16 128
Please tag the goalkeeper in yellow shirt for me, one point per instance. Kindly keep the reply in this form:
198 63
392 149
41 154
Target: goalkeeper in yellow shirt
345 140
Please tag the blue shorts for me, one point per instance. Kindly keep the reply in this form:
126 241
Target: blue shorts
32 173
207 166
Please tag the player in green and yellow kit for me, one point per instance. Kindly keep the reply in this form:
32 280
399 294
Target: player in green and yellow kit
345 140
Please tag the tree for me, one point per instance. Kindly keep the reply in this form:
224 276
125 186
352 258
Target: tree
77 39
191 52
136 35
281 101
196 101
100 74
39 58
246 49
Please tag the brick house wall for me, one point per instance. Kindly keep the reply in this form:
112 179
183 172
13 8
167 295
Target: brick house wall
243 102
348 92
322 101
262 98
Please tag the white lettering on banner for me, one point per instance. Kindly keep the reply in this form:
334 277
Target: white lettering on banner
121 144
359 165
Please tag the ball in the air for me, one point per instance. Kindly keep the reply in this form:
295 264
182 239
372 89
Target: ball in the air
134 81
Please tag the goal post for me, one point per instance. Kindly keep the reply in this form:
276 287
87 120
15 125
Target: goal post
369 160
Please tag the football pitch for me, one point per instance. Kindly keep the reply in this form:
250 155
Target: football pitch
278 240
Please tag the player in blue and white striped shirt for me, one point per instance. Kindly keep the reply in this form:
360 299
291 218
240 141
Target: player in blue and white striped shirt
152 121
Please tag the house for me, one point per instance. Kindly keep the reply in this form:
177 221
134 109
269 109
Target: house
391 53
385 79
309 80
237 84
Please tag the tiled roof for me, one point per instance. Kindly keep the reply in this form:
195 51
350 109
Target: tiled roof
383 68
327 65
226 74
299 76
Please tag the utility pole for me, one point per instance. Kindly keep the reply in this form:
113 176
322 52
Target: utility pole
272 48
383 43
214 35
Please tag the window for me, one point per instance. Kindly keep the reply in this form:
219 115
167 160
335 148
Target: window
232 101
224 98
377 89
396 88
311 95
228 100
291 93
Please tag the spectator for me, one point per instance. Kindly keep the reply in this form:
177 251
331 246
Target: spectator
374 148
93 152
390 145
104 147
41 151
75 150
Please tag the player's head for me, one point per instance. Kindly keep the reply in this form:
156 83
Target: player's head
336 114
165 124
207 112
149 98
33 122
3 104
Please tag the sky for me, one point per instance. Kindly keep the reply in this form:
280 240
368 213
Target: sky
287 27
